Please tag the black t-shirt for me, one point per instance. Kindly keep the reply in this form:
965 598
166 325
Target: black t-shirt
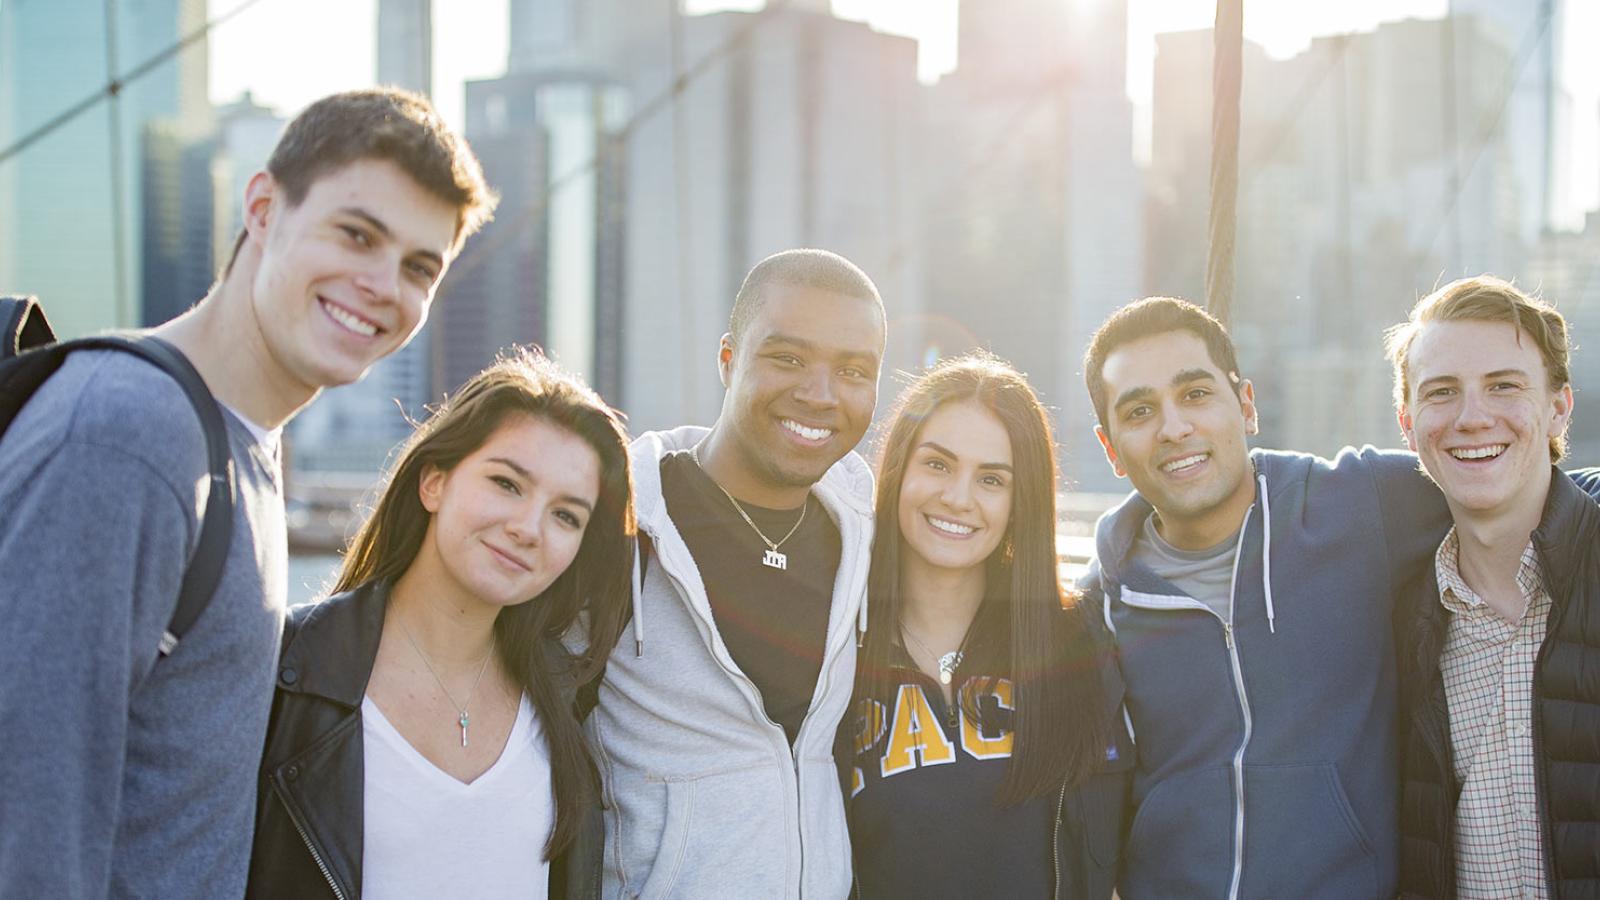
923 818
774 622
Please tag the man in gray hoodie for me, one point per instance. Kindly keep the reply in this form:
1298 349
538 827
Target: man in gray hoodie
122 775
715 724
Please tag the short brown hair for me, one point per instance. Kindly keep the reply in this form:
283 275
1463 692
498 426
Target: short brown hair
388 124
1485 298
1147 318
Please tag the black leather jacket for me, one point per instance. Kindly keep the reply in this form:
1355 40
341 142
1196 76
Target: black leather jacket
309 808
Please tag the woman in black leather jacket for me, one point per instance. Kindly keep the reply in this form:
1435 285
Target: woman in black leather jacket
437 668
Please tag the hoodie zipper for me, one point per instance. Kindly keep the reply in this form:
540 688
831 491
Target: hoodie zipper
793 750
316 857
1244 708
829 661
1055 843
1170 603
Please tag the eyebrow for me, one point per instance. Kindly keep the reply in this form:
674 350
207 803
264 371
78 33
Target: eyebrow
939 448
1144 393
528 476
383 229
804 344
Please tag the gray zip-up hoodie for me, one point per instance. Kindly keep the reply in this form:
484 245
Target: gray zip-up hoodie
703 795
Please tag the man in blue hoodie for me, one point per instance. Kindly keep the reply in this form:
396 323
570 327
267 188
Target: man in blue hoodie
1251 596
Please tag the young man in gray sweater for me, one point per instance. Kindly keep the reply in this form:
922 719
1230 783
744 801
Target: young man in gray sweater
122 774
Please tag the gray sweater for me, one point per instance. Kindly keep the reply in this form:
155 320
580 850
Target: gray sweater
121 775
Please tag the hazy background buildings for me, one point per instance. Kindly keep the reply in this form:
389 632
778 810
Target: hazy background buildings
646 159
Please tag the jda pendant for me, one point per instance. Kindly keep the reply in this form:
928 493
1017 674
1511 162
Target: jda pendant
776 560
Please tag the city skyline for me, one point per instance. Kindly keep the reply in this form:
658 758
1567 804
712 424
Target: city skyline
472 43
1001 206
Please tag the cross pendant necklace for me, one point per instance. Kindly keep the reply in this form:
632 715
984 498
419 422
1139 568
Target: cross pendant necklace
773 558
461 708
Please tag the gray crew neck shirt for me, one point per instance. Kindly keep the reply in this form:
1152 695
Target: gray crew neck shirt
1206 575
122 775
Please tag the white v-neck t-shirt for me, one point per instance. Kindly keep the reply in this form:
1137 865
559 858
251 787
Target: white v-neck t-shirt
425 834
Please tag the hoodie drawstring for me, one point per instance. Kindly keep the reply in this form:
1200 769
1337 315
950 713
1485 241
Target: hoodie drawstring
638 602
1266 552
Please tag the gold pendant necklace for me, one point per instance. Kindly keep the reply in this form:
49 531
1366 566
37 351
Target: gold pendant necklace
773 558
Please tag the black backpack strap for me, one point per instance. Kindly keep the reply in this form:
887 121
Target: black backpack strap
204 571
216 527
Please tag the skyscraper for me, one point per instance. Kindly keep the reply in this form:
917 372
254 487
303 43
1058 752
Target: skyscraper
798 129
1536 110
1355 196
405 44
77 196
1033 234
548 269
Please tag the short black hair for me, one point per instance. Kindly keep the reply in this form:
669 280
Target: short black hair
1147 318
805 267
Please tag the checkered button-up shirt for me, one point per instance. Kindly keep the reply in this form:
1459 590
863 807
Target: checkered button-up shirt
1487 666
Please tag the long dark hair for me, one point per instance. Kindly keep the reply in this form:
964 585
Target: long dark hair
1028 628
524 382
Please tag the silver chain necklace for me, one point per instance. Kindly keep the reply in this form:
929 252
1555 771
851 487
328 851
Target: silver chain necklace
947 662
772 558
461 708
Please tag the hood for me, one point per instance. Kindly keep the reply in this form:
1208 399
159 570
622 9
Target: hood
1118 528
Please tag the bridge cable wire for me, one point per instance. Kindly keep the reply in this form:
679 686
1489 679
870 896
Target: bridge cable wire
114 87
1226 65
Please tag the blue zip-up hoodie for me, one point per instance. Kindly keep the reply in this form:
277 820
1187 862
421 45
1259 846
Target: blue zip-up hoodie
1267 746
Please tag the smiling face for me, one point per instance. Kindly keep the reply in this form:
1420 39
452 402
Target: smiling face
955 495
1176 430
509 518
802 383
346 276
1481 414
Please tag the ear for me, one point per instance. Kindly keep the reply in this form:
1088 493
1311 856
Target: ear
1111 452
1247 402
725 360
430 487
1403 416
1562 410
262 196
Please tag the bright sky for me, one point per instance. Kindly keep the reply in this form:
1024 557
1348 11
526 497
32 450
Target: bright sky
470 42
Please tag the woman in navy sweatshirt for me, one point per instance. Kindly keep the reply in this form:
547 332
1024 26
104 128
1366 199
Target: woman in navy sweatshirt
985 762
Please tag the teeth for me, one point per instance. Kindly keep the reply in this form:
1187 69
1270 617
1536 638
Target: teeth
1184 463
810 434
349 321
950 527
1479 452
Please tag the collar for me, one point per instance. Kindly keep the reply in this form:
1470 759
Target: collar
1458 596
1568 511
1118 529
334 645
